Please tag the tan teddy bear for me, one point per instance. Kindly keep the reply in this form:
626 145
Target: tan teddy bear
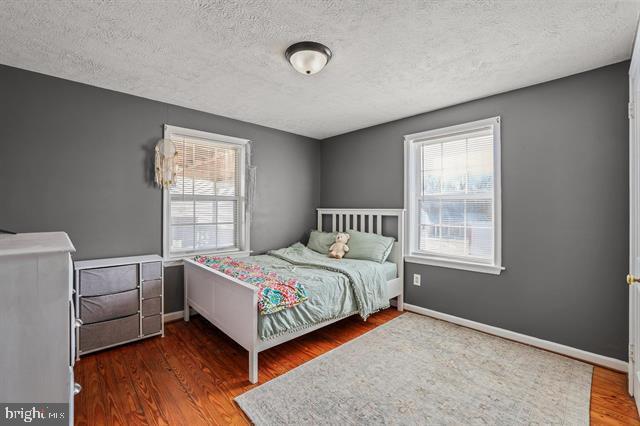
340 247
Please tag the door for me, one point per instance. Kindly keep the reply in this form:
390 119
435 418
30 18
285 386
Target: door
634 225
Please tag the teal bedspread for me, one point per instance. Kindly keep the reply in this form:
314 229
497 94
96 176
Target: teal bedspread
336 288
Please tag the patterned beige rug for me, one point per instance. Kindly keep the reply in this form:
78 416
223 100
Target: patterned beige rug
418 370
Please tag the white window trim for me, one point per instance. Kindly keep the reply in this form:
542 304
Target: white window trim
244 218
410 191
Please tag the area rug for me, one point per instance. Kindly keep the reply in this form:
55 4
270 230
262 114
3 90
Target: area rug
419 370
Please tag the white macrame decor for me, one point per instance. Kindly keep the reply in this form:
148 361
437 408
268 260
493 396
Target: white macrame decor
165 163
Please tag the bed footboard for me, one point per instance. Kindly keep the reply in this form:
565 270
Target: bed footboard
229 304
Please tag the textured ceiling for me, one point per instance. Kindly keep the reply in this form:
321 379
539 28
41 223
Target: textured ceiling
391 59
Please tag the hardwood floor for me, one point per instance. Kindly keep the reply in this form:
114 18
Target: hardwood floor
610 402
191 376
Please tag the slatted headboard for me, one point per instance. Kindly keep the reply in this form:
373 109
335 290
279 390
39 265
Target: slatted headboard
368 220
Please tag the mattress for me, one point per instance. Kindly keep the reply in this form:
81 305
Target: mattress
390 270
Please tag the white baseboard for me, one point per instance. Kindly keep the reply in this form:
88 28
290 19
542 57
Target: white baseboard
173 316
590 357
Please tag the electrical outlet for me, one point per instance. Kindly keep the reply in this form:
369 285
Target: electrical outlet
416 279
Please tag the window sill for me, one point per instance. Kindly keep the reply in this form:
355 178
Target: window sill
455 264
178 261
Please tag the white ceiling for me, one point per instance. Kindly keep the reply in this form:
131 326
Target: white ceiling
391 59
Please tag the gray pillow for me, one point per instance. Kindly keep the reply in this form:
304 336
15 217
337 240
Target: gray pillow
366 246
321 241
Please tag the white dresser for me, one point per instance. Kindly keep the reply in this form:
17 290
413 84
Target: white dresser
37 319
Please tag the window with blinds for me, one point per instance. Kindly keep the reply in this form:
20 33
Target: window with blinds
205 205
453 196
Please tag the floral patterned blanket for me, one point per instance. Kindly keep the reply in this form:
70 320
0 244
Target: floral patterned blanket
274 293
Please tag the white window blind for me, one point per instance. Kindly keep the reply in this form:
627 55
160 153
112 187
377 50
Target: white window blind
205 204
454 203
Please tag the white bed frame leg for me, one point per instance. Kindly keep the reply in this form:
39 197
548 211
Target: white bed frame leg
253 366
400 303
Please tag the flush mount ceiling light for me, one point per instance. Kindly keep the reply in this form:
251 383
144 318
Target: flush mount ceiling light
308 57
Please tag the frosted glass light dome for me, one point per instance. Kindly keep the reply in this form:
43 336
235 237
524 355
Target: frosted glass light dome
308 57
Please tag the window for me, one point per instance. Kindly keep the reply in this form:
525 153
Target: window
452 191
204 210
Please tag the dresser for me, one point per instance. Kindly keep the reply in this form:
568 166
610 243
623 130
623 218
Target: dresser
119 300
37 319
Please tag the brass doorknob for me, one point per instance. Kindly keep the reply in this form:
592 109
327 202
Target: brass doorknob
631 279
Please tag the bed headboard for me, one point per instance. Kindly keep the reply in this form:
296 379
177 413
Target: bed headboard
368 220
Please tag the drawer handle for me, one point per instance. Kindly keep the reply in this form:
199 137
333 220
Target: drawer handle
78 322
77 388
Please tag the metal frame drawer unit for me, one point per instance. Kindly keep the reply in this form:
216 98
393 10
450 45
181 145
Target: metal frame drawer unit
118 300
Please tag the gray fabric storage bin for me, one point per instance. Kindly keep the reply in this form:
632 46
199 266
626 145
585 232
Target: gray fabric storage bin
151 306
151 325
151 270
114 279
110 306
101 334
151 288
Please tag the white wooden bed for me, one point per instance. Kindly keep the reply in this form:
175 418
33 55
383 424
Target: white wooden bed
232 305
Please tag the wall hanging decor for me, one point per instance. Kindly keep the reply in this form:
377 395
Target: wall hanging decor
165 163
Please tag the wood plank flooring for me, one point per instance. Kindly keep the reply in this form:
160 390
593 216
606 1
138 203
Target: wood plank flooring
191 376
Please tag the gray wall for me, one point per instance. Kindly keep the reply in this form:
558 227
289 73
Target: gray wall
565 208
78 158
